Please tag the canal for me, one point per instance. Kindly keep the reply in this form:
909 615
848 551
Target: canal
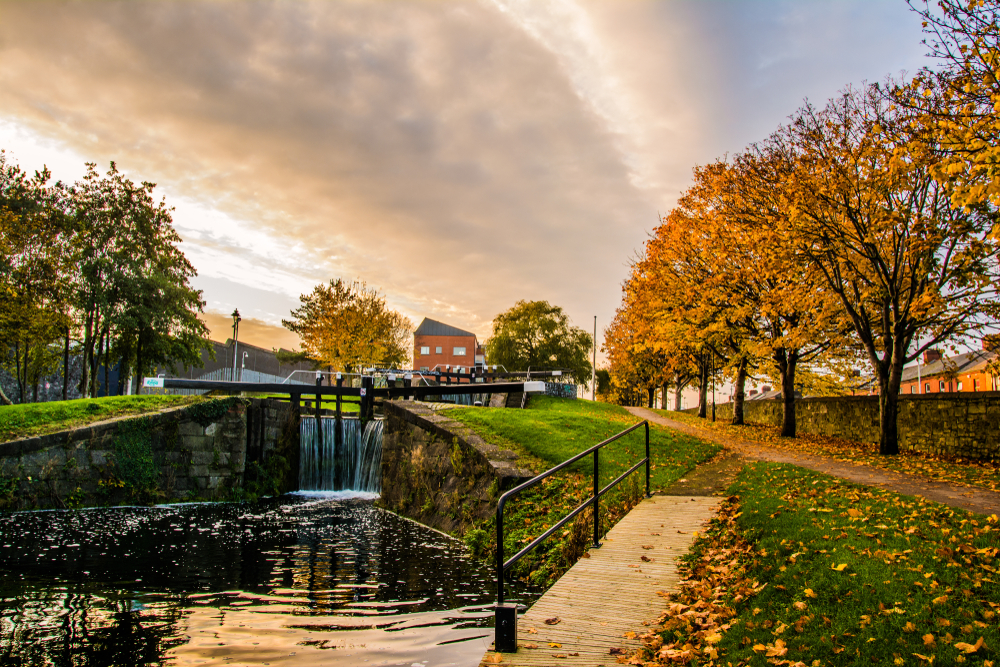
314 579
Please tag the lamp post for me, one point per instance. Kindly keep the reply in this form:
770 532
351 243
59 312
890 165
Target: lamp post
593 366
243 364
236 335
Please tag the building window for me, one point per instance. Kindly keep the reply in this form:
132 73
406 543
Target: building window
913 388
975 385
437 350
959 388
927 387
425 350
940 385
459 352
424 369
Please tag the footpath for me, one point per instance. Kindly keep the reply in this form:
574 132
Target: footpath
959 496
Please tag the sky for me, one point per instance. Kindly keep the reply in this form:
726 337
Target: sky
457 156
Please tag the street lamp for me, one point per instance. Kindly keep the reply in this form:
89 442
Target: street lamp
243 364
236 335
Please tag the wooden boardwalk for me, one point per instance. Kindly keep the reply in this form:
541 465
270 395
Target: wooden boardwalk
603 597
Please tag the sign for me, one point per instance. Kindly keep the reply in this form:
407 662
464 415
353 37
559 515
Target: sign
364 391
152 383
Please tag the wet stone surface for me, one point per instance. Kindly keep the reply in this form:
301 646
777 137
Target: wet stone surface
293 580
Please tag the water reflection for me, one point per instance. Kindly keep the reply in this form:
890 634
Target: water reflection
295 579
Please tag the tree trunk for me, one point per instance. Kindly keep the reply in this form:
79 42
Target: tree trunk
786 360
65 387
138 362
86 356
703 387
17 371
3 398
663 396
889 379
650 396
739 395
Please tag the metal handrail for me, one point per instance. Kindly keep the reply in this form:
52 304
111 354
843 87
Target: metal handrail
505 638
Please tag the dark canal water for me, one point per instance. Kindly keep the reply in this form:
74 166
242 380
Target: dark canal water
288 581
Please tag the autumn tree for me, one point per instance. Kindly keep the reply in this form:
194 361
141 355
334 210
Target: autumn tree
348 326
959 104
538 335
883 235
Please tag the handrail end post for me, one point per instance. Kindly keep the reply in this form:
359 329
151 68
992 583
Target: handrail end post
505 637
648 461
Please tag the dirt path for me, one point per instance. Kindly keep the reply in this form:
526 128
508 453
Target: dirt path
960 496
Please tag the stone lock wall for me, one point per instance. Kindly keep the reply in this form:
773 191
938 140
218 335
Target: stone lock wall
438 471
193 452
961 425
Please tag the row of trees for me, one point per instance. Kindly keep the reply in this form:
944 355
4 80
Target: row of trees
862 229
97 264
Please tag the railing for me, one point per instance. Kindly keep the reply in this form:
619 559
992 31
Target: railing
505 638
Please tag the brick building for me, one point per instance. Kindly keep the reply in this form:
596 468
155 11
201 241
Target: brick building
437 345
937 374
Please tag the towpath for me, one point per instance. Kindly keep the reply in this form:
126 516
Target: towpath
960 496
596 611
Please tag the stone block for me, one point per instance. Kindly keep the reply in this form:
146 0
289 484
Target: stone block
211 429
186 428
99 457
197 443
202 458
198 471
199 483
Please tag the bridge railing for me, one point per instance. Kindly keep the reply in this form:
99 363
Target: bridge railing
505 632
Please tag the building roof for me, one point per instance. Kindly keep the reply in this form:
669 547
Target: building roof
962 363
431 327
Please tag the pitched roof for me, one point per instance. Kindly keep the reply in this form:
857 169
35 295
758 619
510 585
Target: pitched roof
431 327
962 363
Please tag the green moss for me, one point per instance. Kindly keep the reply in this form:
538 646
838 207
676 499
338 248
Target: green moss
134 464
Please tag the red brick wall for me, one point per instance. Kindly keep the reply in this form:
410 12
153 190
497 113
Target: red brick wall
968 380
447 356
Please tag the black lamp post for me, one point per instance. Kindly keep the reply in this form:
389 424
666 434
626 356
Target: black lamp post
236 335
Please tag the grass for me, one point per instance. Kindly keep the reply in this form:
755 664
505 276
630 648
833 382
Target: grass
801 568
32 419
984 474
550 431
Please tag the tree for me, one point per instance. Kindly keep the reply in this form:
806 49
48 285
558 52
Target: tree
132 287
882 234
35 234
538 335
348 326
960 104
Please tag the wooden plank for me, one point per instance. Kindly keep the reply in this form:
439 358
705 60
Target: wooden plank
601 598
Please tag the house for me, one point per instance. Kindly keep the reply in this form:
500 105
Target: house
437 346
937 374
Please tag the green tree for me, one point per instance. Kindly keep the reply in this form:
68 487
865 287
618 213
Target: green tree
348 326
538 335
133 294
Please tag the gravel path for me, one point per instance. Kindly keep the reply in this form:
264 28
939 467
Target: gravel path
960 496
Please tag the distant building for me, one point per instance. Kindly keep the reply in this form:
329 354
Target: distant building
938 374
437 346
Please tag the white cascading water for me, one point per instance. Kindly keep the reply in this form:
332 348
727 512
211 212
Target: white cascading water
360 457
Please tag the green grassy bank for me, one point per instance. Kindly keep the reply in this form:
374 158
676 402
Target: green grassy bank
803 568
550 431
31 419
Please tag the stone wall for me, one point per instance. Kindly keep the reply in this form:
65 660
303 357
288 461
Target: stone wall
962 425
193 452
438 471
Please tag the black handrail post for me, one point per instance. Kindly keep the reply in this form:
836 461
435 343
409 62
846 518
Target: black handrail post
505 615
648 494
597 499
338 438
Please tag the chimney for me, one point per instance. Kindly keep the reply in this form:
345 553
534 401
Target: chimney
930 356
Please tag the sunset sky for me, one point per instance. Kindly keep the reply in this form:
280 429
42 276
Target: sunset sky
458 156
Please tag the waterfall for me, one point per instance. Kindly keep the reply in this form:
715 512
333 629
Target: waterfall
356 467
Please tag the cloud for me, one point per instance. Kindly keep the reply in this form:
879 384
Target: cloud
459 156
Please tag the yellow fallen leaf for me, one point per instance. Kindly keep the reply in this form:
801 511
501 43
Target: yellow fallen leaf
929 659
629 635
759 647
554 645
494 658
928 639
531 646
532 631
809 593
778 650
940 600
839 568
800 606
909 627
970 648
713 638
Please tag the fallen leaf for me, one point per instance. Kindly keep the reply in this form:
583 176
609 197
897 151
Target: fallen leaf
554 645
809 593
839 568
909 627
559 655
928 659
928 639
531 646
965 647
940 600
800 606
552 621
616 651
629 635
532 631
494 658
647 559
713 638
